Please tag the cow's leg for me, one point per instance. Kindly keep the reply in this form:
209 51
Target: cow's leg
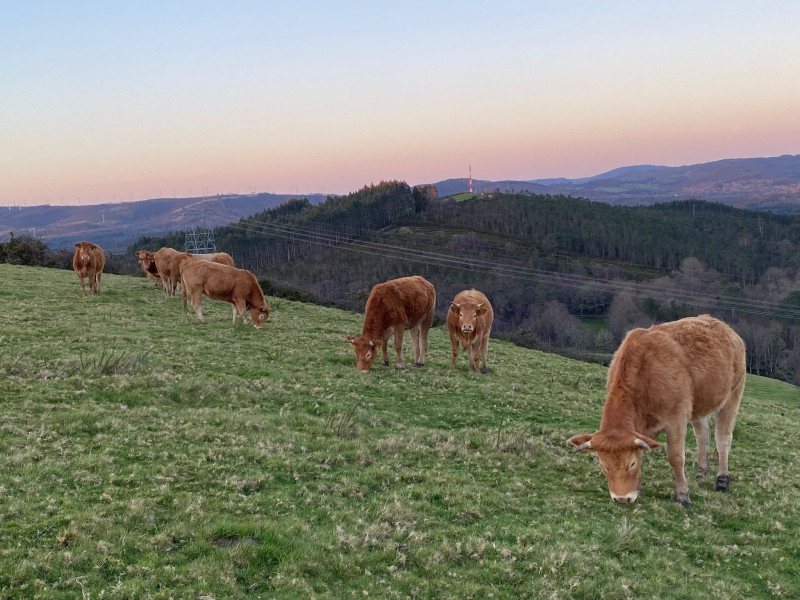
484 351
424 329
472 351
98 282
723 432
83 285
398 346
196 305
454 342
416 342
676 454
702 433
385 346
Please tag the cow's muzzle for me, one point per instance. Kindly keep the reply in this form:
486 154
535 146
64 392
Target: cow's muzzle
467 329
626 499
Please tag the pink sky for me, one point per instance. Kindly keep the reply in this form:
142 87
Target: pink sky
101 105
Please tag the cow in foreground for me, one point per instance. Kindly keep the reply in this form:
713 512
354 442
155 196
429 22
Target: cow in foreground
469 321
393 307
88 262
221 282
661 379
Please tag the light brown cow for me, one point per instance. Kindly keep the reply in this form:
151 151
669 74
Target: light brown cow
470 322
661 379
221 282
168 263
148 263
165 265
393 307
88 262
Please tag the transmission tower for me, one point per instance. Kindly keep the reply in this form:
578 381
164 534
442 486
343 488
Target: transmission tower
199 239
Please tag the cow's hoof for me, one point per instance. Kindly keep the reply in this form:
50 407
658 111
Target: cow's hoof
683 499
401 367
419 364
723 482
484 370
386 363
702 473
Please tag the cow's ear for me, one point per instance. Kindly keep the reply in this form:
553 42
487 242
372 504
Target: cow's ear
582 442
350 339
454 307
648 443
77 245
482 309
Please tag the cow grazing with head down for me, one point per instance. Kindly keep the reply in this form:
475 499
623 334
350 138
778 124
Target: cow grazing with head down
88 262
469 321
393 307
661 379
221 282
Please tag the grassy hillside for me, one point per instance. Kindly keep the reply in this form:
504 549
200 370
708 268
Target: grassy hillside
147 456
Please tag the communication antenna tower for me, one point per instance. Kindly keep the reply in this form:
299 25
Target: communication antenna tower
470 178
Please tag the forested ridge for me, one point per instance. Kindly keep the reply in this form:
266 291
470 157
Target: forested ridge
563 273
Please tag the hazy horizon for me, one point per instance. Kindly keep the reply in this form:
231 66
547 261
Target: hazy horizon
119 103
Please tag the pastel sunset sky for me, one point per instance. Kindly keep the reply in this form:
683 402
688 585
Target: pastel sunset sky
113 101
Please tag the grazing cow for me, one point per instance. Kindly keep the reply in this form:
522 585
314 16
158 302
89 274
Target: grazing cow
661 379
393 307
221 282
148 263
470 322
88 261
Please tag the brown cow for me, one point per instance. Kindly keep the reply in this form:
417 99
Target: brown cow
470 322
221 282
88 261
393 307
148 263
661 379
168 264
165 265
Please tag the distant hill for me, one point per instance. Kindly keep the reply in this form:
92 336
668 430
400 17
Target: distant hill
759 183
113 226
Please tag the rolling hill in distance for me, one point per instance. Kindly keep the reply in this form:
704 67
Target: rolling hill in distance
771 184
757 183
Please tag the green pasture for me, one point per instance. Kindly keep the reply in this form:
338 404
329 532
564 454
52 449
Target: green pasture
144 455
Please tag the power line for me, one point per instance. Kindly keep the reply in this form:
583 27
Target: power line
296 233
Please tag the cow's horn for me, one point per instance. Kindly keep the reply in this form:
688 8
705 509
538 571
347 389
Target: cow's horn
481 304
642 443
372 344
583 446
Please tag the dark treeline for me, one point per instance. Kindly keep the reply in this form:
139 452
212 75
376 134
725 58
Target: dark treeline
563 274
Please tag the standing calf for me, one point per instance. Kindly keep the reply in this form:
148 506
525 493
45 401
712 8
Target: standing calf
88 262
661 379
470 323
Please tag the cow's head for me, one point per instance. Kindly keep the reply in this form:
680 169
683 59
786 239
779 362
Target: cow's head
84 250
260 315
468 313
366 351
620 458
148 261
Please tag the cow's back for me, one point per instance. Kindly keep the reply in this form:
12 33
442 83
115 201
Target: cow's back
686 367
407 300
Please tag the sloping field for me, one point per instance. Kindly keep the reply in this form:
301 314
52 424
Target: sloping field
147 456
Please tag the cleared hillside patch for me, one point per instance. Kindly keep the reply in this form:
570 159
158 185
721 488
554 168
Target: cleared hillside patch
145 455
